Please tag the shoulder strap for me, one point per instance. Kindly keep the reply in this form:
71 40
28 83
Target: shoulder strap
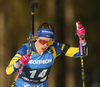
29 50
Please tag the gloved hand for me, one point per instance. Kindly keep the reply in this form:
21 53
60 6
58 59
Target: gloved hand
24 59
81 31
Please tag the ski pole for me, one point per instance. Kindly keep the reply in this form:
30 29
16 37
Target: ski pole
17 76
34 4
82 63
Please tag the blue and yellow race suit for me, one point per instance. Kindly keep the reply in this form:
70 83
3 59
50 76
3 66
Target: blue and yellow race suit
35 72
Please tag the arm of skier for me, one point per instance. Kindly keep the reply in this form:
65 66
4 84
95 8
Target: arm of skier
75 51
18 60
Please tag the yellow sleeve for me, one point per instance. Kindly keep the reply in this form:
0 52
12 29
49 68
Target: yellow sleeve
71 51
10 69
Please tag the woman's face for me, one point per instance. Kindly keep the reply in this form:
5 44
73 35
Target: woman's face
43 43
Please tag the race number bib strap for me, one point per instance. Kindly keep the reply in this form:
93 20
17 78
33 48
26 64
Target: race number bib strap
34 76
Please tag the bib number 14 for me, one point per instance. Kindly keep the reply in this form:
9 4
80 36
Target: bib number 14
41 74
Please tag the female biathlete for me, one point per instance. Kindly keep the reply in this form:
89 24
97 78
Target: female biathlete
43 51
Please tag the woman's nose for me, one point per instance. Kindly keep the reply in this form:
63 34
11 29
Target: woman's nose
46 45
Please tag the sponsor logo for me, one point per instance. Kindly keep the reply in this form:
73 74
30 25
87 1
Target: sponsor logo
44 31
40 61
25 85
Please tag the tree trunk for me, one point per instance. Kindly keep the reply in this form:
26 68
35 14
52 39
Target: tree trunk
69 35
5 54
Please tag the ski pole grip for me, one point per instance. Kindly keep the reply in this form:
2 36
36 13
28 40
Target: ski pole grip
34 4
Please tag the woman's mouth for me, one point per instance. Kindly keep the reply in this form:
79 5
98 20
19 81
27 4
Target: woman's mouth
43 49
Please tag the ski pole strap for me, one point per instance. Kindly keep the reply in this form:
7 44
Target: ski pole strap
83 38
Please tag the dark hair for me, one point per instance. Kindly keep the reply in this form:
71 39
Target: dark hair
47 25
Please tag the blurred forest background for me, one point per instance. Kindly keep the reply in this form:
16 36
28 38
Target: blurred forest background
15 25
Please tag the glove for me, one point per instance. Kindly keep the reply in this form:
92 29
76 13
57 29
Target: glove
24 59
81 31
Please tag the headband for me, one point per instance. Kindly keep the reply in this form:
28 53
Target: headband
42 32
